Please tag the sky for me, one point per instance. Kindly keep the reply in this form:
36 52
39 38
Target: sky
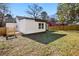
19 9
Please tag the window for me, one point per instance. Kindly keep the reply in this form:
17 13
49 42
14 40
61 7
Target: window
41 26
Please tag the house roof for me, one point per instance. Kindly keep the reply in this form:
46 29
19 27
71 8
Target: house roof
38 20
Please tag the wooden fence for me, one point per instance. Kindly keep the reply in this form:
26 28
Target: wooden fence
64 27
2 31
52 28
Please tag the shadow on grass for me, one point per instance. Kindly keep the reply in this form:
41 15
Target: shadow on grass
45 37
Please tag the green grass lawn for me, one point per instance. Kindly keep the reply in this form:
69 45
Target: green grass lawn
64 43
69 44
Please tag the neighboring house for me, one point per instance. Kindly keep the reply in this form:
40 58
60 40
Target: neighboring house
10 19
6 19
27 25
50 23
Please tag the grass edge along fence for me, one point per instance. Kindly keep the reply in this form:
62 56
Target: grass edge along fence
64 27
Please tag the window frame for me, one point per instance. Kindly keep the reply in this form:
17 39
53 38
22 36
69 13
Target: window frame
41 25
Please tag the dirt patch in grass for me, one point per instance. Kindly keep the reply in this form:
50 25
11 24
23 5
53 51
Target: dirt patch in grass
45 38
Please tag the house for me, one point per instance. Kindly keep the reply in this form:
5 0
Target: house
51 23
9 19
27 25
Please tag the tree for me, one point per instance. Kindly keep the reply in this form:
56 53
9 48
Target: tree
3 11
77 11
34 10
63 12
44 15
68 12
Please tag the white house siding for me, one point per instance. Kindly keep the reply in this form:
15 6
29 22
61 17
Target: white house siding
26 26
